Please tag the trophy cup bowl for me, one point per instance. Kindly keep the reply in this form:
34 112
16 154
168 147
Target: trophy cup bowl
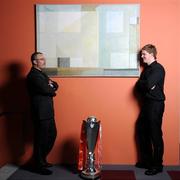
91 131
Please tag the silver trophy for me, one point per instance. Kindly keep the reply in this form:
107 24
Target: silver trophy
91 134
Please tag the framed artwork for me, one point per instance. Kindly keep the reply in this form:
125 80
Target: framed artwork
89 39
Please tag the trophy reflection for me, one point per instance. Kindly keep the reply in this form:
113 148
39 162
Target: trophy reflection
90 149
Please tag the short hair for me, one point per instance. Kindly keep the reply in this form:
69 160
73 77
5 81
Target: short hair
150 48
34 56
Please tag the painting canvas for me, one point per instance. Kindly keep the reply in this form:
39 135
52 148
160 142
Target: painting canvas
89 40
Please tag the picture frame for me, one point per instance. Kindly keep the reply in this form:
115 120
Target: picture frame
89 39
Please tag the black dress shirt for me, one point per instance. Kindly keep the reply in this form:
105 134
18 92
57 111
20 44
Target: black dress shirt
151 82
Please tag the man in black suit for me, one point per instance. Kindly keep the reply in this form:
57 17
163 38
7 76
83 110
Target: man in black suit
42 90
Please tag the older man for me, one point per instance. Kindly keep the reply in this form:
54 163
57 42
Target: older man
42 90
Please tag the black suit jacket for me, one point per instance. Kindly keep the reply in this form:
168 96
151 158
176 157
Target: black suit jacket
41 94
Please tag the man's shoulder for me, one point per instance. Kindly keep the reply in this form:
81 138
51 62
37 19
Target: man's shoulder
34 72
159 66
160 69
32 75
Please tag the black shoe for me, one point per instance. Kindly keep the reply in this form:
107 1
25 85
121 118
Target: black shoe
142 165
43 171
153 171
47 165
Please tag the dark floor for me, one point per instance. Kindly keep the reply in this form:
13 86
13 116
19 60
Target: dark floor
109 172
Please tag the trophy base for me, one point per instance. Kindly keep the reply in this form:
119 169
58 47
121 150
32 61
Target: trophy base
90 175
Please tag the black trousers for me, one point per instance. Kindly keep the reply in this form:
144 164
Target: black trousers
44 137
149 133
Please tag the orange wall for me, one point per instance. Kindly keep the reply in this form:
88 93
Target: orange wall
111 100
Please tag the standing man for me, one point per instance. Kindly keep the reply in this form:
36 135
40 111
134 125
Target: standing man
42 90
149 133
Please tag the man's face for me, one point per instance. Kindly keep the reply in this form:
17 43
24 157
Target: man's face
147 57
40 61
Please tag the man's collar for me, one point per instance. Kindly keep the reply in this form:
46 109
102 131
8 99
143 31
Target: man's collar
153 63
36 69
